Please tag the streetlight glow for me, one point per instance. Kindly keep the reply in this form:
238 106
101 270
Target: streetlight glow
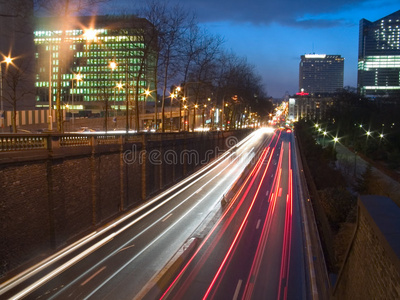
90 34
113 65
8 60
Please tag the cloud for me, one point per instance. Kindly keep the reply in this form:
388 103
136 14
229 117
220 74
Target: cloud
264 12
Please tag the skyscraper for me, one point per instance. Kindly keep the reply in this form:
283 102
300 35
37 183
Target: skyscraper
104 62
321 73
379 56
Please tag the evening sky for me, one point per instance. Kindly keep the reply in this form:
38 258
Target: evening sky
272 35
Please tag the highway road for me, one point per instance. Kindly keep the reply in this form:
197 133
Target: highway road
123 259
256 249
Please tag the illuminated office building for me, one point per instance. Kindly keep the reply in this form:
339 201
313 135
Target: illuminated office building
321 73
103 59
379 56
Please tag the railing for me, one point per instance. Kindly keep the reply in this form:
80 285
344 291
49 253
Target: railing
18 143
73 141
25 142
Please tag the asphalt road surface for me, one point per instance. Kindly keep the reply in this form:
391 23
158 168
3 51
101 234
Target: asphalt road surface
256 249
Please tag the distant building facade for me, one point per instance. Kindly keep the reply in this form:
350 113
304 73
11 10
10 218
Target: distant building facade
310 107
379 56
104 61
321 73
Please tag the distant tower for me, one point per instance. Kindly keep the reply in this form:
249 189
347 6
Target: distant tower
321 73
379 56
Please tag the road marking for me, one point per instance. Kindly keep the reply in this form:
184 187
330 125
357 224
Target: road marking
236 294
91 277
166 218
198 191
280 192
267 193
258 223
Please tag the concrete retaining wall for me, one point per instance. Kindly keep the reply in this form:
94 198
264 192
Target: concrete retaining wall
371 269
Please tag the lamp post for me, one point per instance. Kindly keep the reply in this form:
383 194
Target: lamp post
180 114
6 60
172 96
184 118
202 116
50 120
76 77
194 116
118 86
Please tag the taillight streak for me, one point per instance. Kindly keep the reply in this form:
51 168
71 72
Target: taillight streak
265 230
285 260
251 176
234 243
238 233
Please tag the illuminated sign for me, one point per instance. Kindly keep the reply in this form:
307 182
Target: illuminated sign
302 94
315 55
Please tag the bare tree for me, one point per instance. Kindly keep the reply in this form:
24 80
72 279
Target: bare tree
17 43
15 78
170 24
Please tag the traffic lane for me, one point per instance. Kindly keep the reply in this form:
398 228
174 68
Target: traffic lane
234 276
188 280
197 274
267 279
95 274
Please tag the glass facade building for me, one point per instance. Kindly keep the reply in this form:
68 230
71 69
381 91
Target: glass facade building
102 59
321 73
379 57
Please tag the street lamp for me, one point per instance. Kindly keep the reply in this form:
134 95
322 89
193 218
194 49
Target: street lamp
324 133
172 96
7 60
76 77
194 116
202 117
335 140
119 87
184 118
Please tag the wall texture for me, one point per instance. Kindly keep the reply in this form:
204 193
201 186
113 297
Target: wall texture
371 269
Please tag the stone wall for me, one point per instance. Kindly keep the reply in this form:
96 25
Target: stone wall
50 197
371 269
